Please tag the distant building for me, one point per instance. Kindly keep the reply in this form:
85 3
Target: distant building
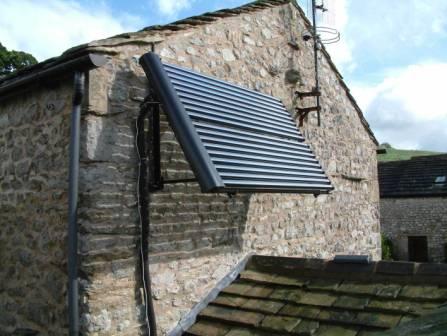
413 207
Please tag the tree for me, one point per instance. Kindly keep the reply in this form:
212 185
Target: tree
11 60
387 248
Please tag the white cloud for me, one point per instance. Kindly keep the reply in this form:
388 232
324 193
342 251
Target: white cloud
47 28
171 8
384 27
408 108
381 27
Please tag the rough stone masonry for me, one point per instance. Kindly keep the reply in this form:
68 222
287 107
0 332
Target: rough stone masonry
416 216
195 238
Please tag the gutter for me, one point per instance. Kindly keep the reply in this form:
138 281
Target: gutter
22 83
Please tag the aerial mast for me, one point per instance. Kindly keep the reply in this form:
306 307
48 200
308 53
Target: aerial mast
331 36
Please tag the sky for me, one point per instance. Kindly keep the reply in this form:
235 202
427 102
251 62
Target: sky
392 53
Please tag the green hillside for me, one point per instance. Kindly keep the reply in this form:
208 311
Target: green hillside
394 154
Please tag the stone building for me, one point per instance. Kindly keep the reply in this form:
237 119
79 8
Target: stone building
413 211
196 238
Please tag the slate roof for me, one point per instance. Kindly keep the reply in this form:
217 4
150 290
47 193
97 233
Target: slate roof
414 177
152 34
293 296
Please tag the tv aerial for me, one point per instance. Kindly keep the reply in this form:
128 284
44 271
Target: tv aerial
320 35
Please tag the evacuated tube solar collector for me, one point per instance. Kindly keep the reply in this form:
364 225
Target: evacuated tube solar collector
235 139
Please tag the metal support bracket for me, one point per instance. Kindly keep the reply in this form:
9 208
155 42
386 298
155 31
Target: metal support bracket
304 111
152 153
313 93
156 182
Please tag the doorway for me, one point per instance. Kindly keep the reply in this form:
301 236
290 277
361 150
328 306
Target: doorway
417 248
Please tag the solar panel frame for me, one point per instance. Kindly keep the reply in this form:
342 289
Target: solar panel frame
235 139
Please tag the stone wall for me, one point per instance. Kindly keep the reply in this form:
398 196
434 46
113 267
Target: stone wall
419 216
34 137
197 238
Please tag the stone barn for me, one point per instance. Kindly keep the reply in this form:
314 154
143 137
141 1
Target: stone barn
413 211
196 240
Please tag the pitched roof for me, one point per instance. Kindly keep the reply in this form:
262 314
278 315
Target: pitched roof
295 296
431 324
419 176
151 35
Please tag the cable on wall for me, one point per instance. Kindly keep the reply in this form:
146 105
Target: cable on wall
143 213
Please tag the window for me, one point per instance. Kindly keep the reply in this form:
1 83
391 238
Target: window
417 249
440 181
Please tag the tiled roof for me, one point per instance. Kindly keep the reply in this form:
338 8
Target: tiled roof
431 324
292 296
150 35
420 176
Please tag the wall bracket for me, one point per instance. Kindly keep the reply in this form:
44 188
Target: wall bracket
313 93
304 111
156 181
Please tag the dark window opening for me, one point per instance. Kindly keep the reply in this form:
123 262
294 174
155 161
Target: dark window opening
418 249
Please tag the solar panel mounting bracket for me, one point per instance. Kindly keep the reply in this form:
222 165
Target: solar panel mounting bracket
303 94
304 111
156 182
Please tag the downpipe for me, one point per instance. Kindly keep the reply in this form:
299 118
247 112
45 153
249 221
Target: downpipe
73 188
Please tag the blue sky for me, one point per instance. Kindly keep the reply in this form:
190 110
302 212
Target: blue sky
393 54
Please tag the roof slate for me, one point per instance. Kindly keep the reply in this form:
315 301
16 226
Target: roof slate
293 296
414 177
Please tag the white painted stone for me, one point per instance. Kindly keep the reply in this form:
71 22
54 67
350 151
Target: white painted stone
211 52
166 53
266 33
263 73
228 55
248 40
191 51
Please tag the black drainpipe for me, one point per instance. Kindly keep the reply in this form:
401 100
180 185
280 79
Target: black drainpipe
79 66
73 296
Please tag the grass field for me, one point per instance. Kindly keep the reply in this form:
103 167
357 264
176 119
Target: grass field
394 154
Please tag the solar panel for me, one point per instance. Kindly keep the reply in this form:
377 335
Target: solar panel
235 139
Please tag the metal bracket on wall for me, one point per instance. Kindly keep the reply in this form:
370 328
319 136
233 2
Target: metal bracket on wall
313 93
304 111
155 180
